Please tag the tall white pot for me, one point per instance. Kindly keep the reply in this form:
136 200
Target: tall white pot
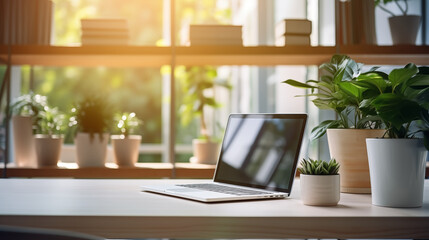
91 151
397 171
23 141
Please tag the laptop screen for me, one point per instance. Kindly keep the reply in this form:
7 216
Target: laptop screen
261 150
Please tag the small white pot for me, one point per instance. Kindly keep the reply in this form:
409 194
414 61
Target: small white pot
397 169
23 141
91 151
320 190
126 149
205 152
404 29
48 150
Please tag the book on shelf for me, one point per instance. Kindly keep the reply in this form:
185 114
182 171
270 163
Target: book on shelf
26 22
104 41
199 35
294 27
286 40
104 31
104 23
210 41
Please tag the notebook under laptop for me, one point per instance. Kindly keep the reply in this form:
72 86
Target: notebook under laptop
258 160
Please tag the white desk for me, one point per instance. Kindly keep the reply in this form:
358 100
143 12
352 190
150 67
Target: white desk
117 209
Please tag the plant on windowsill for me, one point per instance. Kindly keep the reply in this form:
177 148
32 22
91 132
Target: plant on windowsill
125 144
49 137
402 104
196 83
25 115
320 182
90 121
342 89
404 27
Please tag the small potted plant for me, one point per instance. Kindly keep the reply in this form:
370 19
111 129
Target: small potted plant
49 139
320 182
125 144
404 27
90 120
342 88
25 113
197 81
397 161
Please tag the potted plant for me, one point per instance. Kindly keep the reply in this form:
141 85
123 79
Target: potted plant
197 81
397 162
49 140
91 118
125 144
403 28
320 182
25 110
341 88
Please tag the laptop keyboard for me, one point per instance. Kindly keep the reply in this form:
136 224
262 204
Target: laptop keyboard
223 189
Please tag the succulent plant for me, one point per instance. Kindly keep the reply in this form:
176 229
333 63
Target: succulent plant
319 167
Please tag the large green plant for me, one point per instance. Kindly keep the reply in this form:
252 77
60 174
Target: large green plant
401 99
335 90
91 115
195 84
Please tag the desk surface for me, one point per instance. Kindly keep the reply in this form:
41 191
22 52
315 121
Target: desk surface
118 209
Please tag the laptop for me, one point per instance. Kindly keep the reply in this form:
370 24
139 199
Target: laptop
257 160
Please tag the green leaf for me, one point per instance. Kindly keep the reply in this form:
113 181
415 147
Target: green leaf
320 130
352 89
419 81
398 76
295 83
396 109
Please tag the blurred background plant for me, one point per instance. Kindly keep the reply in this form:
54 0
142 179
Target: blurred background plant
126 123
51 122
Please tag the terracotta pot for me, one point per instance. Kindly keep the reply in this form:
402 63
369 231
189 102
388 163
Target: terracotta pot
320 190
404 29
48 150
348 147
397 168
23 141
205 152
126 149
91 152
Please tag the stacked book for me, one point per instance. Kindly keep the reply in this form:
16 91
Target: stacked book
203 35
104 31
293 32
24 22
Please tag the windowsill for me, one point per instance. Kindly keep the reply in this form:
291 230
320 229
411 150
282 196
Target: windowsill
111 170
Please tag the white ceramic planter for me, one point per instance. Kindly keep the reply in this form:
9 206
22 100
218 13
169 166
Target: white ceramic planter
126 149
320 190
205 152
23 141
397 169
48 150
348 147
404 29
91 152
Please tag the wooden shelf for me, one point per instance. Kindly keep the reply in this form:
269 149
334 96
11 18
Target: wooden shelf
88 56
141 170
388 55
143 56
